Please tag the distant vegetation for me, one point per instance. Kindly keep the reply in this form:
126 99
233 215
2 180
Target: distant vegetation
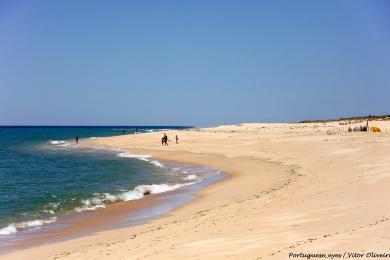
355 118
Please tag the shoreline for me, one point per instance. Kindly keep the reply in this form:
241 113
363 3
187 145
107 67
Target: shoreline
195 206
121 214
292 188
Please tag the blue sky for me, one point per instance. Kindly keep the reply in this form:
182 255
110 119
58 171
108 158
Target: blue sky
192 62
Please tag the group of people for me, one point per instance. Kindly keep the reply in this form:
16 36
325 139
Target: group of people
164 139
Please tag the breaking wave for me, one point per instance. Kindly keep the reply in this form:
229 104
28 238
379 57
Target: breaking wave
142 157
157 163
15 227
60 143
191 177
101 199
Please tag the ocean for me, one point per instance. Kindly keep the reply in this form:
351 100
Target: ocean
44 175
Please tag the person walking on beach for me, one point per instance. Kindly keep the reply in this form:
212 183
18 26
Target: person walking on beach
165 139
177 140
77 139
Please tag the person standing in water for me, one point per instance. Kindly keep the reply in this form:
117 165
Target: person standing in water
77 139
177 140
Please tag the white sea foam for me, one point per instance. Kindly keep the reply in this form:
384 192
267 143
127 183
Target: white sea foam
157 163
142 190
8 230
60 143
56 142
138 192
35 223
50 207
191 177
89 208
49 211
143 157
15 227
92 203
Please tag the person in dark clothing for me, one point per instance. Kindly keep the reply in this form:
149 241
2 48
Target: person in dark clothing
165 139
77 139
177 139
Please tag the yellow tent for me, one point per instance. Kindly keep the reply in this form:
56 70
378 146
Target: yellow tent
375 129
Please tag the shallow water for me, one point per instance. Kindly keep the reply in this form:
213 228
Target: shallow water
44 175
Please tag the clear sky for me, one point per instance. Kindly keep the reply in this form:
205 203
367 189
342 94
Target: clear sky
192 62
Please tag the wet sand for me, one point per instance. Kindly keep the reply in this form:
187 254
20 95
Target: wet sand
113 216
79 224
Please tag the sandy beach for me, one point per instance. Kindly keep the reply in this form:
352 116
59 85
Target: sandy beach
292 188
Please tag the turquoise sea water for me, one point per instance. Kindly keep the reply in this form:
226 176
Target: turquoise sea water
44 174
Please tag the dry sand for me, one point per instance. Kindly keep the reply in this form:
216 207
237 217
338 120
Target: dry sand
294 188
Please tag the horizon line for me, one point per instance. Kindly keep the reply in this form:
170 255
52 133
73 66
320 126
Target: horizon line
134 126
